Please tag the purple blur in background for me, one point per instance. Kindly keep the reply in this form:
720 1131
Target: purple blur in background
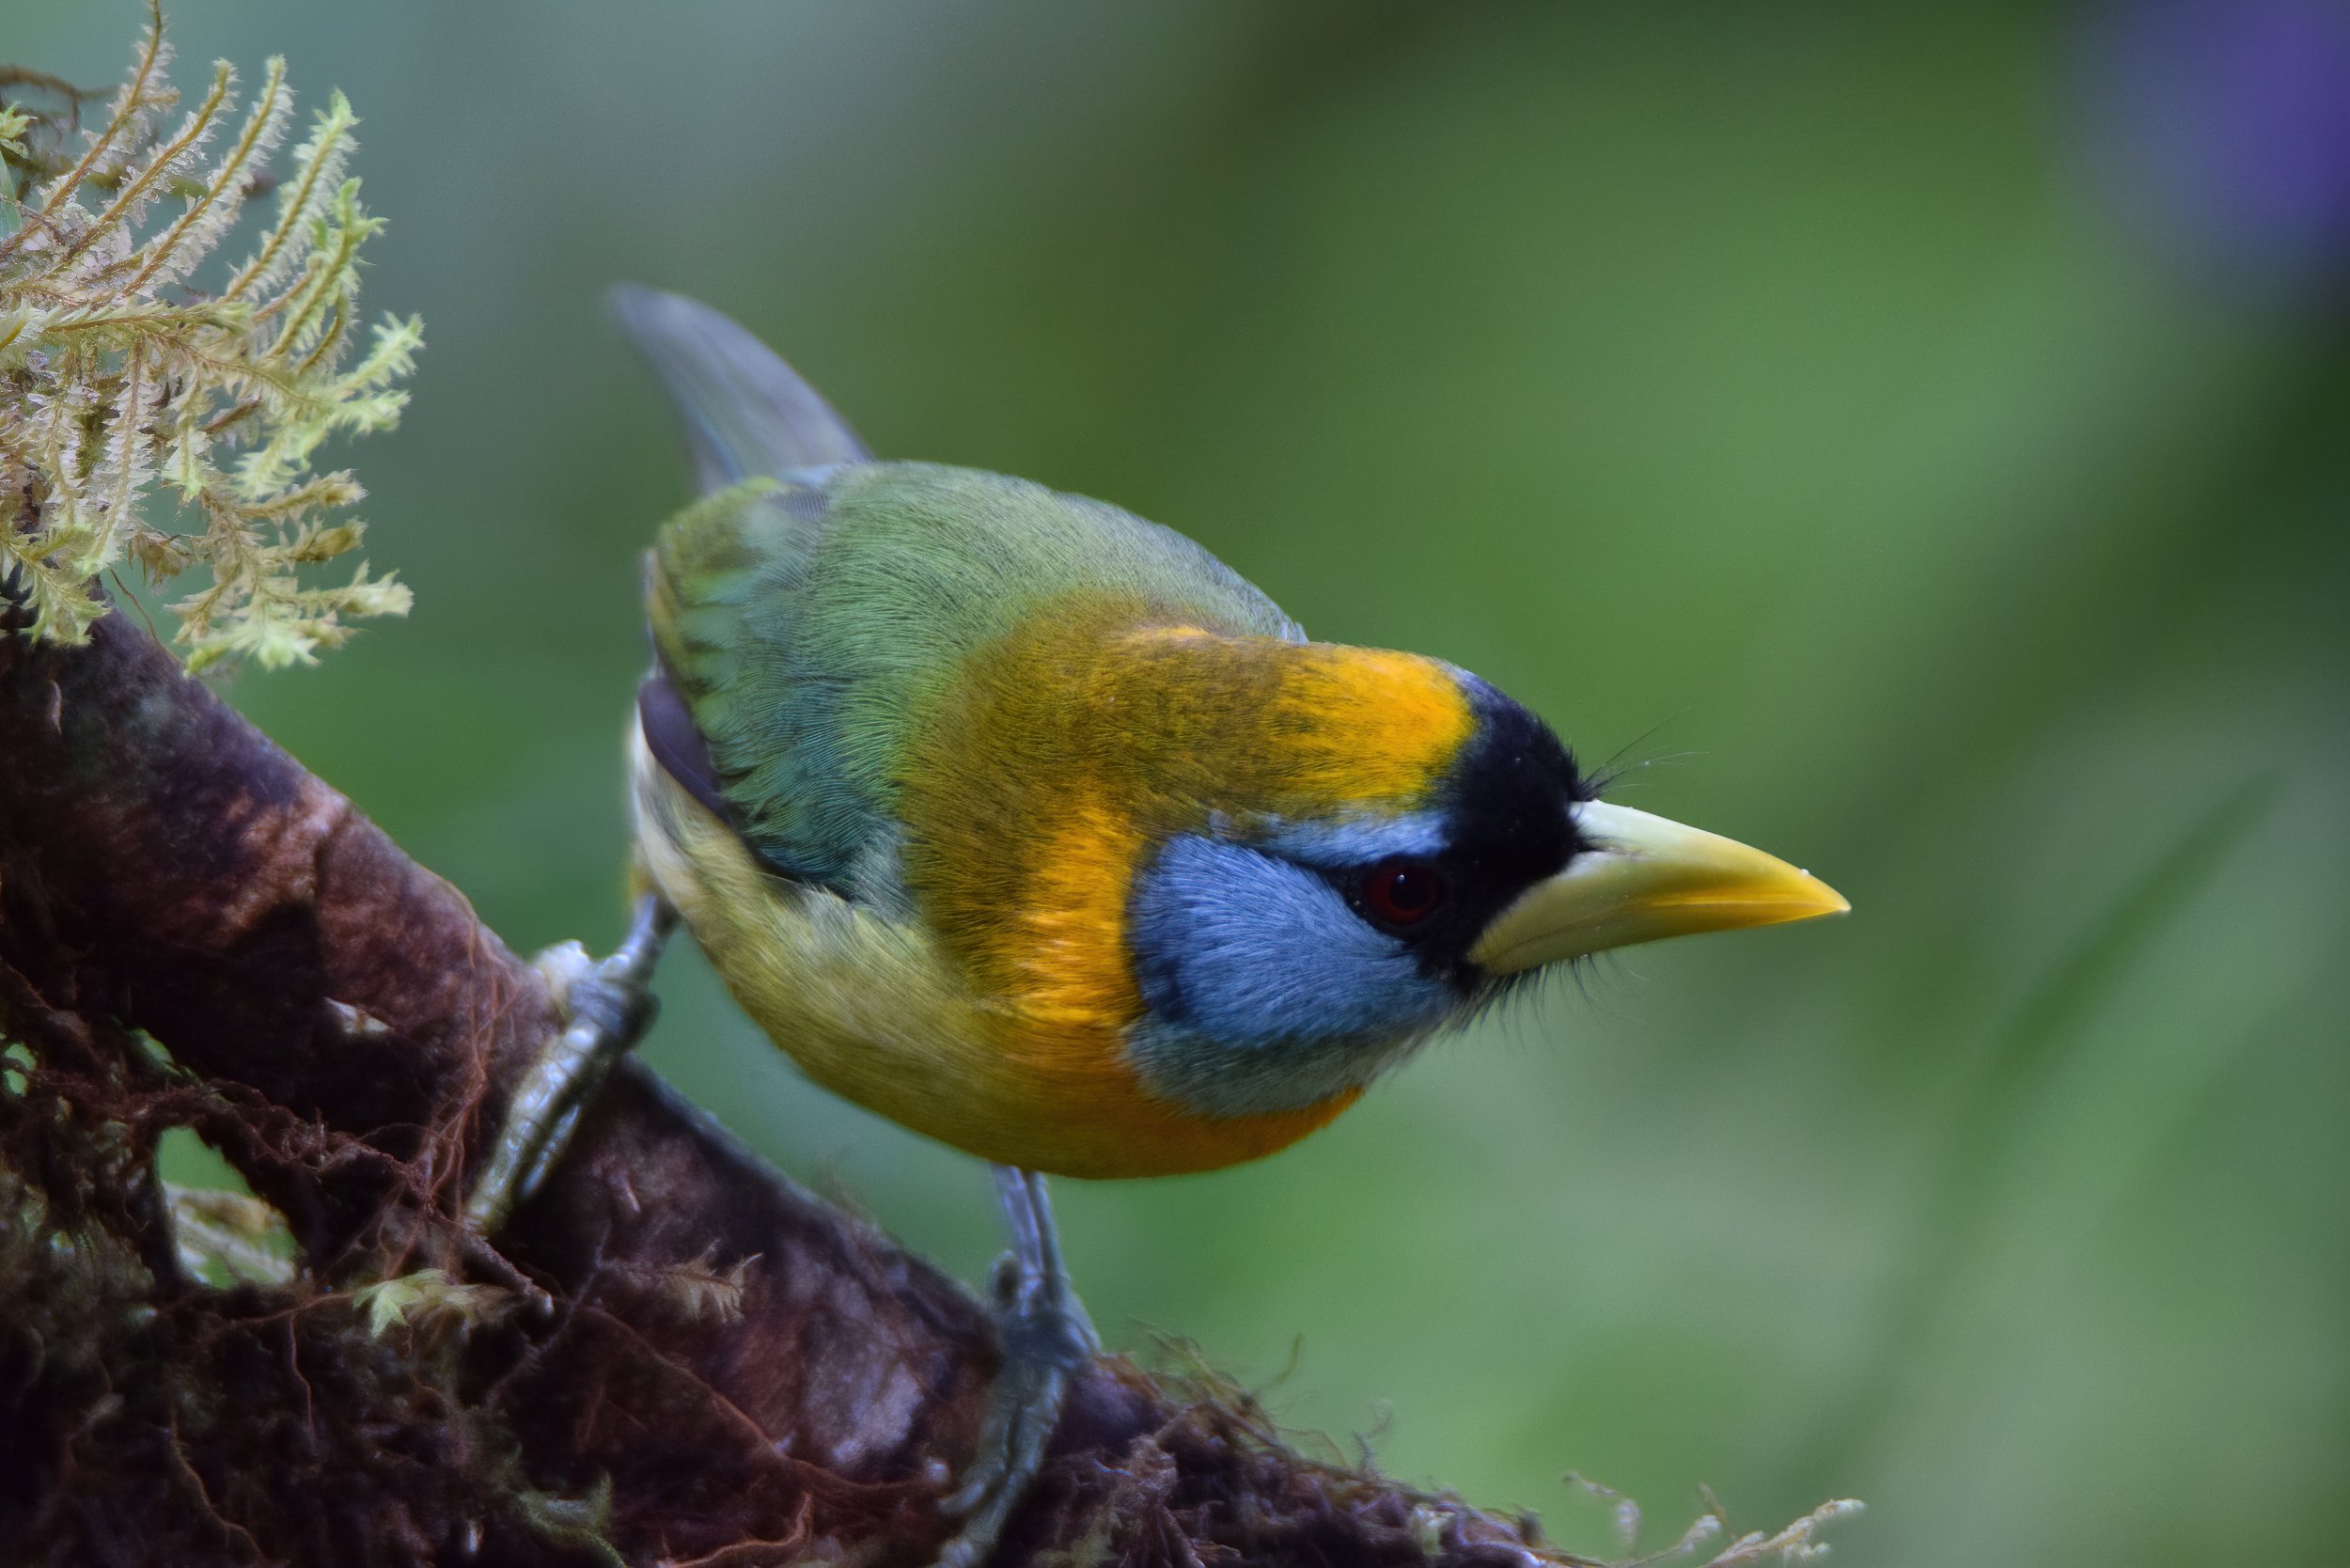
2220 129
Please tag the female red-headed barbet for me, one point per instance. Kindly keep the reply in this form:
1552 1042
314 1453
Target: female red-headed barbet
1029 825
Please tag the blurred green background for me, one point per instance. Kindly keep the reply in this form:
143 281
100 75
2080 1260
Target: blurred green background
1918 437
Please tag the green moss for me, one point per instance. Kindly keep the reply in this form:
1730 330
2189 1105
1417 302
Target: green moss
117 376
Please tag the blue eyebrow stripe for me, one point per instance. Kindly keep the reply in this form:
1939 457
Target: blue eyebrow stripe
1334 843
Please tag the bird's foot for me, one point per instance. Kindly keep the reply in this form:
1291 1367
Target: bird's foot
606 1007
1046 1338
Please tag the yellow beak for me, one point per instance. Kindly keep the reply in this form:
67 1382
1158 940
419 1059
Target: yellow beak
1644 878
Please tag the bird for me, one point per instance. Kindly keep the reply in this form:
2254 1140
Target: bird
1032 827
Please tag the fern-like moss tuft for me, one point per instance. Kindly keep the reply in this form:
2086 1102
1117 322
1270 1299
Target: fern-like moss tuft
120 375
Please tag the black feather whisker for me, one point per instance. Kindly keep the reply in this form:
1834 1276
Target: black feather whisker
1621 763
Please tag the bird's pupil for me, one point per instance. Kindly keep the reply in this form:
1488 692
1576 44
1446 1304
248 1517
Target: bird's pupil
1408 889
1400 891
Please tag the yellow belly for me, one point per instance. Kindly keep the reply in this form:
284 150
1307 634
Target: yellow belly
873 1009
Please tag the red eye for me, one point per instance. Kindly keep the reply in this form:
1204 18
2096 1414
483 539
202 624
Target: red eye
1402 891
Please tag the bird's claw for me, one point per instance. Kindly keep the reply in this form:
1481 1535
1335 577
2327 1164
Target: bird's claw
606 1007
1047 1337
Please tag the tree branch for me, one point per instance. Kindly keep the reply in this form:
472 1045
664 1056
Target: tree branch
687 1357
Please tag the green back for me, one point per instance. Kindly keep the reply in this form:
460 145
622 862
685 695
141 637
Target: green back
813 624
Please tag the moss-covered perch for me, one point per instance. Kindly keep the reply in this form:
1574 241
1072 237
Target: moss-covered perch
678 1356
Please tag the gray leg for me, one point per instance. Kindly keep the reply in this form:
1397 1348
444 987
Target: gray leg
609 1008
1047 1337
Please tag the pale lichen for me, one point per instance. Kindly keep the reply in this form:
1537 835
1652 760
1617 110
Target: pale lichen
120 378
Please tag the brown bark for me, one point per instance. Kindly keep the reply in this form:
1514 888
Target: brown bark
685 1358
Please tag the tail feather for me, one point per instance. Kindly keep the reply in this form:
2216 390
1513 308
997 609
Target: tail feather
746 414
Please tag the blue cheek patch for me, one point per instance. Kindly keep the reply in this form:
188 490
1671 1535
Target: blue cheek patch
1266 992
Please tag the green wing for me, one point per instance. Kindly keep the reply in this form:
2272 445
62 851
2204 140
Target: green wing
809 618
